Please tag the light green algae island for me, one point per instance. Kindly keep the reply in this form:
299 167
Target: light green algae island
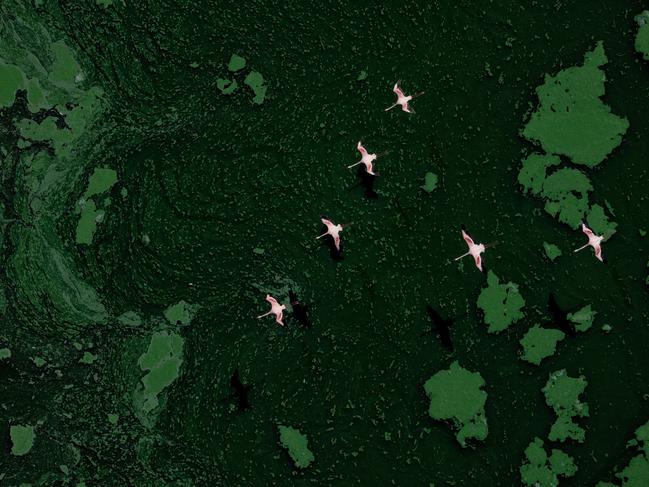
571 122
456 396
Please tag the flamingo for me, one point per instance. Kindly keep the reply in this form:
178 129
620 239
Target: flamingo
402 99
366 158
275 308
593 240
474 250
333 230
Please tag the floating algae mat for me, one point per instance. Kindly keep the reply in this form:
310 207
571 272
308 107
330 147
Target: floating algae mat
297 445
502 304
164 166
456 395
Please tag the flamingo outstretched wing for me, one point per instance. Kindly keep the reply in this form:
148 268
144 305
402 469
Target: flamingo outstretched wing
327 223
361 149
397 90
337 241
279 316
598 252
467 239
273 302
587 231
478 261
407 108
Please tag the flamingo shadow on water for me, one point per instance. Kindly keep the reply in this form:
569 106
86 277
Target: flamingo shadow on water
240 393
441 327
299 310
560 317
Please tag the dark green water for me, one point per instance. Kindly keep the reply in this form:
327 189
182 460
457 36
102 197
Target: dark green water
211 177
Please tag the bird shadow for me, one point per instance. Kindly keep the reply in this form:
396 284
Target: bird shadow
300 311
366 181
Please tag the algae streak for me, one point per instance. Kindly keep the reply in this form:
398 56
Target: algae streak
456 395
162 362
100 181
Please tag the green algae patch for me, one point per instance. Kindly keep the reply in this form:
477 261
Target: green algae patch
113 418
583 318
65 68
162 361
598 221
534 171
501 304
642 37
88 358
5 353
87 225
571 118
101 180
226 86
362 76
541 471
181 313
539 343
456 395
551 251
562 395
236 63
566 194
22 439
12 79
636 473
256 82
297 446
130 318
430 182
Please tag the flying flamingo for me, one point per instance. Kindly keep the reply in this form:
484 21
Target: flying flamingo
402 99
333 230
593 240
276 309
366 158
474 250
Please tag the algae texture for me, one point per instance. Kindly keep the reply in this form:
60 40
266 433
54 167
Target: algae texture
297 446
22 438
539 470
501 304
539 343
562 395
456 396
150 197
571 120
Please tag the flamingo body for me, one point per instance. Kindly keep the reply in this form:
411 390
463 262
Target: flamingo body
594 241
474 250
333 230
276 309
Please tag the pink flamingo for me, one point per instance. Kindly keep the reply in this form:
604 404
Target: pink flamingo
593 240
474 250
333 230
275 308
402 99
366 158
